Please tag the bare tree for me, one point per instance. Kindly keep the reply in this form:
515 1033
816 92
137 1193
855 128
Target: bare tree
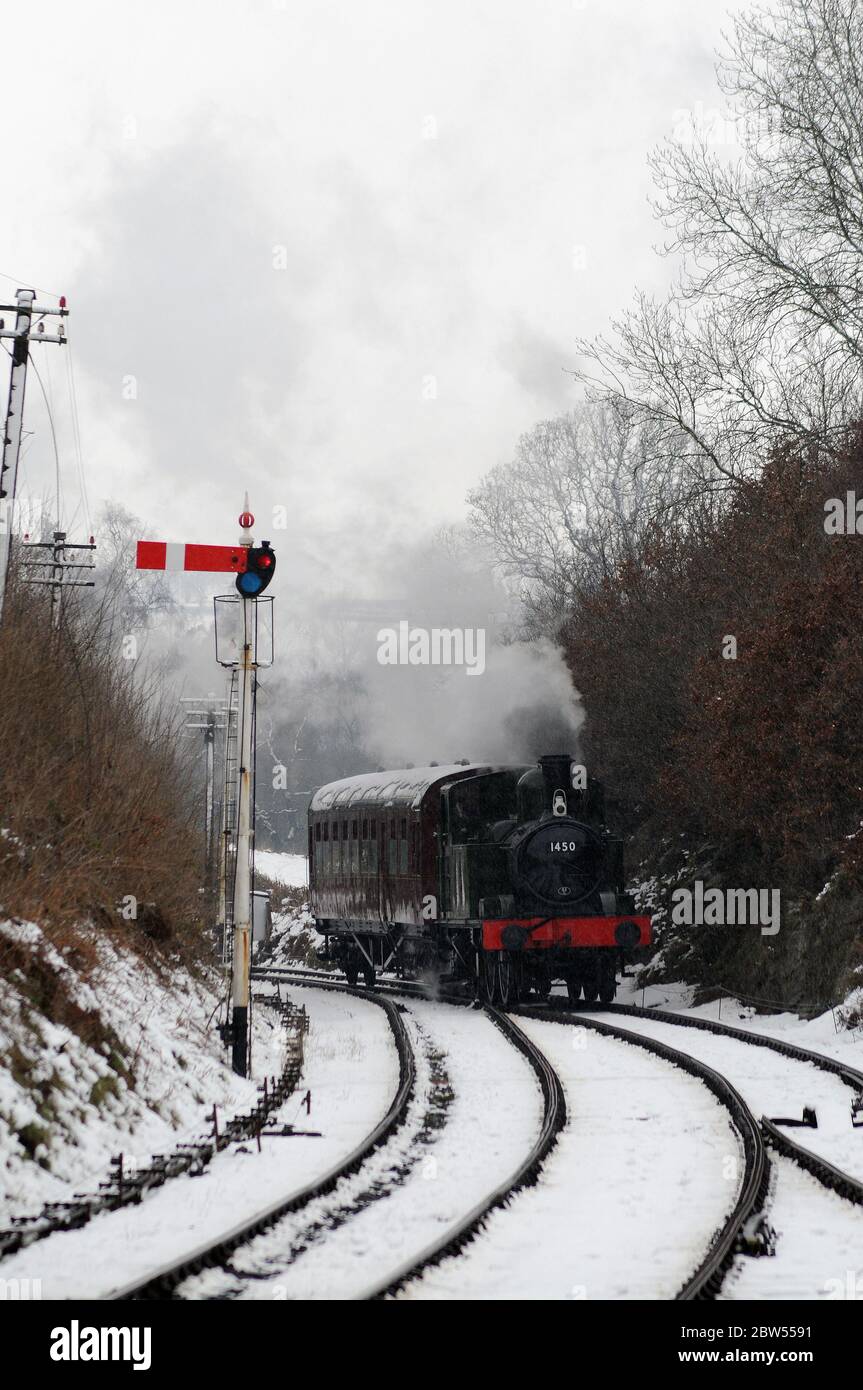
582 490
761 336
136 596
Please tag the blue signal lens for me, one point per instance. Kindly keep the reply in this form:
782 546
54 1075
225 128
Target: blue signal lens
249 583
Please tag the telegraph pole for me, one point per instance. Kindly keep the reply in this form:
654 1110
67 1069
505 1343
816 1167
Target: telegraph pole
207 714
59 566
25 309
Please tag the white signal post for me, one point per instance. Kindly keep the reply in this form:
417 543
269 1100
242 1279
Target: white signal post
254 567
240 983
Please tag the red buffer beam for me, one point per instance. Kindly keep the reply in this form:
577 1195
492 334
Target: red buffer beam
170 555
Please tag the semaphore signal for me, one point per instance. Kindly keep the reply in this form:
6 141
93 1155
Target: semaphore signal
210 559
254 567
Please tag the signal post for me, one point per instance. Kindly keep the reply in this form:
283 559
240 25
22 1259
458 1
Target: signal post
260 564
254 567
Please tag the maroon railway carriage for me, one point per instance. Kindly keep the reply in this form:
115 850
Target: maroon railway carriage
503 875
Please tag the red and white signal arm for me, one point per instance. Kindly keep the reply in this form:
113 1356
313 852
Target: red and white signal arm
170 555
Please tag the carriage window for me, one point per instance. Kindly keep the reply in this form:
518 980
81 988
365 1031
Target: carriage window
365 830
318 831
392 850
403 847
373 846
355 846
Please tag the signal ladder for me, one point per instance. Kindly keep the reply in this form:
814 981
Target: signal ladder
228 822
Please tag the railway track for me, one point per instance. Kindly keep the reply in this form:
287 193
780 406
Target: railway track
125 1189
162 1283
826 1172
744 1229
744 1225
820 1167
465 1229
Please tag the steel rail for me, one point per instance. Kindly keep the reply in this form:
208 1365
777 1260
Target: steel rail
163 1282
707 1279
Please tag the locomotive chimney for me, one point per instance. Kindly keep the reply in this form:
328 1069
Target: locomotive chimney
556 776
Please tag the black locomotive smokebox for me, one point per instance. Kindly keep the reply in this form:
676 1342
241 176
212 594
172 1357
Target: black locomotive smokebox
514 937
627 934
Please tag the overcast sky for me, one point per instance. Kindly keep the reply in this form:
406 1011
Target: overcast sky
339 251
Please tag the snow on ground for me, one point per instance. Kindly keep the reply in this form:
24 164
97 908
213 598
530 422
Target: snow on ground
772 1085
295 940
819 1251
820 1234
351 1069
825 1033
417 1186
289 869
629 1198
67 1105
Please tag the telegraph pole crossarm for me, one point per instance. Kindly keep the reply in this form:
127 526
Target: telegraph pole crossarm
25 309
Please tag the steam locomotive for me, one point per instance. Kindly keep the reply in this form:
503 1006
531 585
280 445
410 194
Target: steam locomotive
504 876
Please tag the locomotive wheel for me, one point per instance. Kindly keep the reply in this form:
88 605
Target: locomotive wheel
590 981
368 975
607 979
542 982
573 988
488 977
507 980
352 974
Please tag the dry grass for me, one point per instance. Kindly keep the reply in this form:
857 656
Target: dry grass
95 806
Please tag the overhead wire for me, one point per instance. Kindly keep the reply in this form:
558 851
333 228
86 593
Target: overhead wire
53 432
76 437
20 283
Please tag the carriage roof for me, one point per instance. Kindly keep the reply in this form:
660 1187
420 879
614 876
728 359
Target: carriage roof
405 787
